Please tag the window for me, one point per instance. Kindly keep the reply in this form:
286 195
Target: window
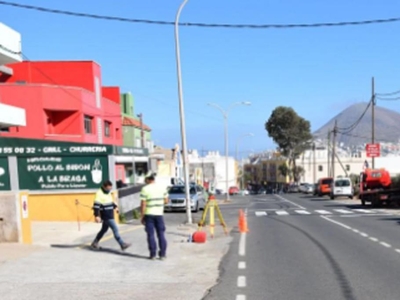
342 183
327 181
88 124
107 129
320 168
5 129
347 167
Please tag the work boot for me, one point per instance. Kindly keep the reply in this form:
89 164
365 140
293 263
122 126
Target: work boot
95 244
124 246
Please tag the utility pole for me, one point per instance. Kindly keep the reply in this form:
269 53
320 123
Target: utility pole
373 118
334 149
202 163
314 165
140 116
328 155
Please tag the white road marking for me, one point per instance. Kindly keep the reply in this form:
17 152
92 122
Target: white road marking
240 297
364 211
323 212
361 233
261 213
303 212
385 244
282 213
242 265
241 281
286 200
336 222
242 244
343 211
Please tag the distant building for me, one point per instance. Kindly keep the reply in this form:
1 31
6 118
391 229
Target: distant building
211 169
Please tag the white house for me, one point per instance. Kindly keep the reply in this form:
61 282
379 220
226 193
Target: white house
213 168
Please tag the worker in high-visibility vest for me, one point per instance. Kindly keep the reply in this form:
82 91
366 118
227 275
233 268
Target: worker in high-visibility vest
153 196
104 207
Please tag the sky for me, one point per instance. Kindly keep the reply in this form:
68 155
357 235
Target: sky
317 71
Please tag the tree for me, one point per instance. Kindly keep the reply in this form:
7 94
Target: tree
291 133
284 170
298 171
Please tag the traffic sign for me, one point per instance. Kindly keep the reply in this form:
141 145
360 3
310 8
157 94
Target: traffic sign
373 150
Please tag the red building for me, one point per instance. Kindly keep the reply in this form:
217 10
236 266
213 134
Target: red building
64 101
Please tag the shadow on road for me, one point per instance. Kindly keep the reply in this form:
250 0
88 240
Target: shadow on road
397 220
101 249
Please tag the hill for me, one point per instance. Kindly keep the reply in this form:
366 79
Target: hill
387 125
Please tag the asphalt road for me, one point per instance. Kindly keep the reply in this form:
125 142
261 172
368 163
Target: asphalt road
301 247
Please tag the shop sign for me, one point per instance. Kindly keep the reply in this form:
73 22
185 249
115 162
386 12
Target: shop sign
29 147
4 175
134 151
62 172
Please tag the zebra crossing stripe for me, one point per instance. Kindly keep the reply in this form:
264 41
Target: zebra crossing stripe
303 212
261 213
343 211
323 212
282 213
366 211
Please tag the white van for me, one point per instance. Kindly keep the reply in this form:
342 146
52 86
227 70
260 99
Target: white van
342 187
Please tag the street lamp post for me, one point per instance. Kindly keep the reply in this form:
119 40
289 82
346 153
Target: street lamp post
182 115
237 157
225 114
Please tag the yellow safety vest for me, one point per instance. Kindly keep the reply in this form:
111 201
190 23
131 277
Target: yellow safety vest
154 195
104 205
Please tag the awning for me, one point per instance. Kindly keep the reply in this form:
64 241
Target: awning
130 159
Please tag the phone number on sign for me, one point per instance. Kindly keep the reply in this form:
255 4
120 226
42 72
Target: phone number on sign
17 150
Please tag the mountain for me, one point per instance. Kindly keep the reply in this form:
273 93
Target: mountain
387 125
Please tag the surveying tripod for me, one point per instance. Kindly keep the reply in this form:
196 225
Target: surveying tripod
212 206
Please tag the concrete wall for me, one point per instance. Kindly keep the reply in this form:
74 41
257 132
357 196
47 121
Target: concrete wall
9 221
15 224
129 199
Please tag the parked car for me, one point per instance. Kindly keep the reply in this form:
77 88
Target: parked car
177 198
315 187
324 186
234 190
309 189
261 191
302 187
342 187
293 188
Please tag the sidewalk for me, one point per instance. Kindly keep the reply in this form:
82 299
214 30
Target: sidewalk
74 271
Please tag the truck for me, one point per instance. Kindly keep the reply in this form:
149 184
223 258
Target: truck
376 188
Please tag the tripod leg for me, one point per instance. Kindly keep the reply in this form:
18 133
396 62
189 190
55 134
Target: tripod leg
212 220
221 219
204 216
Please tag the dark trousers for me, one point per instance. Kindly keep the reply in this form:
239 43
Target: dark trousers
110 223
155 224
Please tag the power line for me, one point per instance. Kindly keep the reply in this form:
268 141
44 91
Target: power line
356 123
365 137
193 24
388 99
388 94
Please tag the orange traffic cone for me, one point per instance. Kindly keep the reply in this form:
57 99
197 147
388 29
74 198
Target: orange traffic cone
242 222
